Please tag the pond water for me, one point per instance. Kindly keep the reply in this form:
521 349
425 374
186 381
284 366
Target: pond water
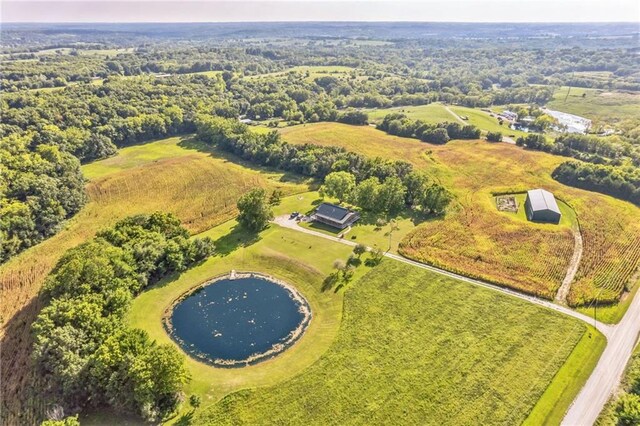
239 322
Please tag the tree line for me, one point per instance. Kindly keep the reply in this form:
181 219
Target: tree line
39 188
612 150
82 349
390 196
375 184
619 182
400 125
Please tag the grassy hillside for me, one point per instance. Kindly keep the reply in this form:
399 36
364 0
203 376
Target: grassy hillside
175 175
417 348
477 240
437 113
431 113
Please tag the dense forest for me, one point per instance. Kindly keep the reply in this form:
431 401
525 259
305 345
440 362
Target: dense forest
84 353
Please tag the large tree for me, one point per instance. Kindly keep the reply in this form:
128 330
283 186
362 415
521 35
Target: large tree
255 211
339 185
391 195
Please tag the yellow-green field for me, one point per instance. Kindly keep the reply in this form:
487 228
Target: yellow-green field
413 346
603 107
177 175
395 342
477 240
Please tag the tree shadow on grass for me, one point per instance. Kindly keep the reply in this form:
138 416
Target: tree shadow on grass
329 282
238 237
186 419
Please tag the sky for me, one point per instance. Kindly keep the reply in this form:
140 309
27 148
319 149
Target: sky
314 10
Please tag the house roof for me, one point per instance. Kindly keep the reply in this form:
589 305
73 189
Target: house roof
542 200
332 211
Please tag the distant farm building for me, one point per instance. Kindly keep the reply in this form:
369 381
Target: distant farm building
541 206
509 115
335 216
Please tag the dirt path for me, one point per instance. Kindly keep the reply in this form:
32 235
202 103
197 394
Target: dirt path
456 116
563 291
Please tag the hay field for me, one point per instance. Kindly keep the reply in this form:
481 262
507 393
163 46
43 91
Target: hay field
477 240
418 348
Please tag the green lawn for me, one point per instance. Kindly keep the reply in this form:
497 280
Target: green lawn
303 261
566 385
432 113
419 348
437 113
366 232
136 156
484 121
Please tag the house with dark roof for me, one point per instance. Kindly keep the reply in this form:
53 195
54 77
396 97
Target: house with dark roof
335 216
541 206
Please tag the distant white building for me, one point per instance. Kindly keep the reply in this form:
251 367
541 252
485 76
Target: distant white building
570 123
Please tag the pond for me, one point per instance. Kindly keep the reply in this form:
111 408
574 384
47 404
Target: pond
240 321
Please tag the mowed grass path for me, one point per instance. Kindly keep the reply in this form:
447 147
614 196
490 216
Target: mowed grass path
418 348
477 240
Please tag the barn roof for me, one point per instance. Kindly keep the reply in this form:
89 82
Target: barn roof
332 211
542 200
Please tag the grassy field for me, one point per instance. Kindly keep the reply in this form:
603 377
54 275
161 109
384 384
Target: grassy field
484 121
554 402
600 106
437 113
301 260
311 72
199 185
419 348
404 344
477 240
432 113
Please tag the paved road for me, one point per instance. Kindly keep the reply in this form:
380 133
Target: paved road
605 329
607 375
605 378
